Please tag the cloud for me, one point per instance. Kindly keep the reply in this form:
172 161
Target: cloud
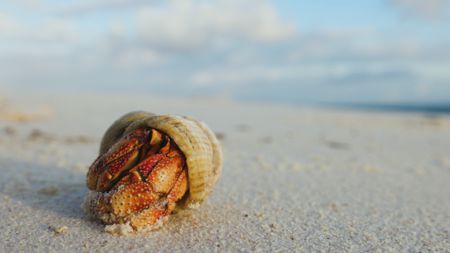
135 57
422 8
244 48
8 23
31 4
194 24
87 7
51 30
338 75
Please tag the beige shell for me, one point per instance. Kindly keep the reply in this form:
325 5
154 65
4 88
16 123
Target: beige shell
198 143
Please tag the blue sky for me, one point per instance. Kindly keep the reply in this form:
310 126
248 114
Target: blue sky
374 51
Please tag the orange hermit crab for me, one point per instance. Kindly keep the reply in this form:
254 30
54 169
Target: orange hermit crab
148 165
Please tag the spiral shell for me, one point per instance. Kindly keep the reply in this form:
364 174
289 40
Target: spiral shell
197 142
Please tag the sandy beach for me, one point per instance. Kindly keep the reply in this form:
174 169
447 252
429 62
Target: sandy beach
295 179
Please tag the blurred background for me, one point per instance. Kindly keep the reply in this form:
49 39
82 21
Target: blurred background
348 52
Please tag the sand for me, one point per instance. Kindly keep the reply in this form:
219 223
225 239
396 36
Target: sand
295 179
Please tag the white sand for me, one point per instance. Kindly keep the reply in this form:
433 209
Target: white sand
294 180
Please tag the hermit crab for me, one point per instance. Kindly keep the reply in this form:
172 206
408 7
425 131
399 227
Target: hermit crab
148 166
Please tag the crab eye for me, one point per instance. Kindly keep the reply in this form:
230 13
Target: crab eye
165 145
155 137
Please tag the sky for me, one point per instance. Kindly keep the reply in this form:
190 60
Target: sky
347 51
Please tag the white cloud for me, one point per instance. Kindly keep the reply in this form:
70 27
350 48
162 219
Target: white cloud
31 4
302 73
57 30
193 24
135 57
238 76
51 30
423 8
230 45
85 7
8 23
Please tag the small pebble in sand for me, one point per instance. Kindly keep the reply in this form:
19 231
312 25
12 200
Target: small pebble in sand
37 134
334 207
49 191
9 130
86 246
260 216
267 140
59 230
82 139
337 145
370 169
220 136
242 128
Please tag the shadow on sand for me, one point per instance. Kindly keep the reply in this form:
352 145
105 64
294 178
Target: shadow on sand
56 189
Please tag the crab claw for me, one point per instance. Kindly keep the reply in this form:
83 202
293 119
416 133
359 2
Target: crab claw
121 157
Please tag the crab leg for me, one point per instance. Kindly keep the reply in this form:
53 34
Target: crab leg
120 157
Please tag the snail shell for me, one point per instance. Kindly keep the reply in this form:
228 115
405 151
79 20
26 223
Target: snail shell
197 142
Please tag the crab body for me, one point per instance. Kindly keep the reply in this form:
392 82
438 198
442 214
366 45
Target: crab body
148 165
142 177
